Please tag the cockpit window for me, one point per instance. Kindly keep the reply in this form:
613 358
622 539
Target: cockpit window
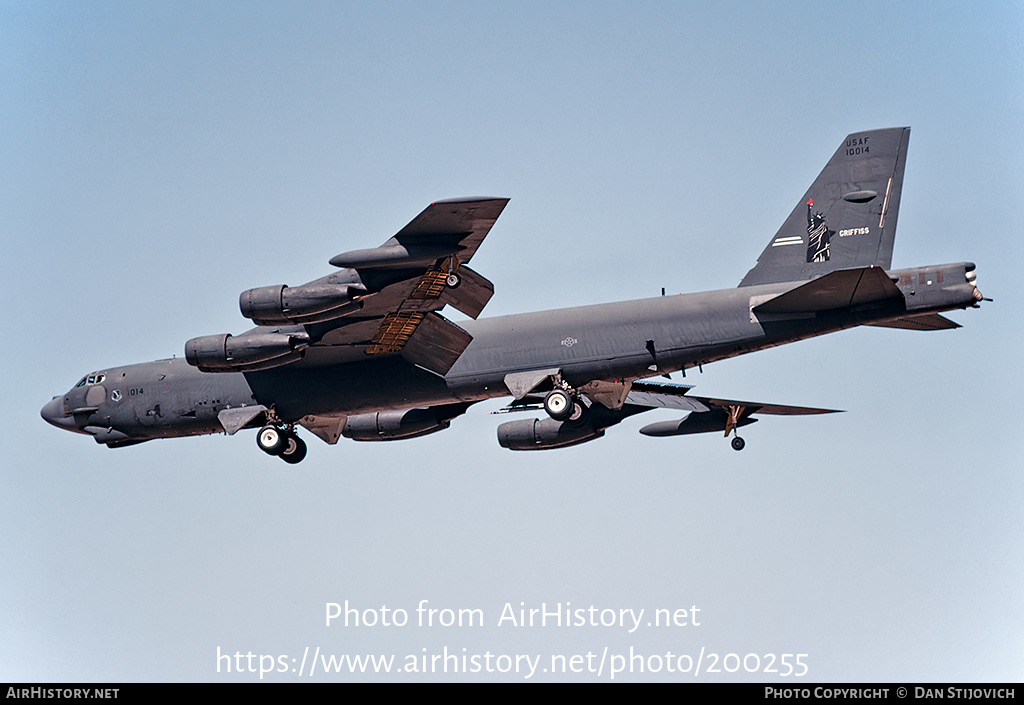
94 378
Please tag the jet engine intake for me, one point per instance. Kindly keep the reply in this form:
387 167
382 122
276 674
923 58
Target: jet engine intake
248 352
540 434
309 303
393 425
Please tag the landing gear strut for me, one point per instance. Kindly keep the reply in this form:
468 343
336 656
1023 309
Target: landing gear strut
453 279
735 413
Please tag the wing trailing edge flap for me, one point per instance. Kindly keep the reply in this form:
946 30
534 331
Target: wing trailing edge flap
472 293
431 293
839 289
664 396
436 344
428 340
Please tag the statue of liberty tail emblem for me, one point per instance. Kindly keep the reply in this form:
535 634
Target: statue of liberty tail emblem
818 235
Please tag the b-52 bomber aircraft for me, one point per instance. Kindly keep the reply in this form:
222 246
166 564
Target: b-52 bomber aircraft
364 352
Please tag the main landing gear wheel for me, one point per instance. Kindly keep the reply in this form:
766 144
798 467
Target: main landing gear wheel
294 450
580 412
453 280
271 440
738 443
559 404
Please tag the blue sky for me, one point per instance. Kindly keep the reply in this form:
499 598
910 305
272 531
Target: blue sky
161 158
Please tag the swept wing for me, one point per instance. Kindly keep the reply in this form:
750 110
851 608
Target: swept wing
382 301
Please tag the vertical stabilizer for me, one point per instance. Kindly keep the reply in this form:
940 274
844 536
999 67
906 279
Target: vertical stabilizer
847 218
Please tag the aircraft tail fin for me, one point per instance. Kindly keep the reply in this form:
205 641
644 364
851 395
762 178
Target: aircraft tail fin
847 218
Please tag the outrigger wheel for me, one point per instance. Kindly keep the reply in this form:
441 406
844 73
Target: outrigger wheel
453 279
735 412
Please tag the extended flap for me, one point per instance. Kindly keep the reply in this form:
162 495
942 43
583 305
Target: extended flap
846 287
436 344
472 293
656 400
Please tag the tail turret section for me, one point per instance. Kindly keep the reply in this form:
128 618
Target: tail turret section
847 218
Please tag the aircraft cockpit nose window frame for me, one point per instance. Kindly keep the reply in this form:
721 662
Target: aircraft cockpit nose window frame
90 379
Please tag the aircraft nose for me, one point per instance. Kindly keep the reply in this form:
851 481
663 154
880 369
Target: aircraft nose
53 413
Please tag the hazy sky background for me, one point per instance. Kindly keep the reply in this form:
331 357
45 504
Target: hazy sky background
159 158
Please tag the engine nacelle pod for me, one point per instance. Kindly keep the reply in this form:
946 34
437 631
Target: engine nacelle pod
309 303
713 421
393 425
540 434
245 353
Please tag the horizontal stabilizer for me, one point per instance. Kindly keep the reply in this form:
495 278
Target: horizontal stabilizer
839 289
926 321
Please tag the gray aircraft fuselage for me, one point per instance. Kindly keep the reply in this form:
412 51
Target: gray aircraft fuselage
364 353
623 341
